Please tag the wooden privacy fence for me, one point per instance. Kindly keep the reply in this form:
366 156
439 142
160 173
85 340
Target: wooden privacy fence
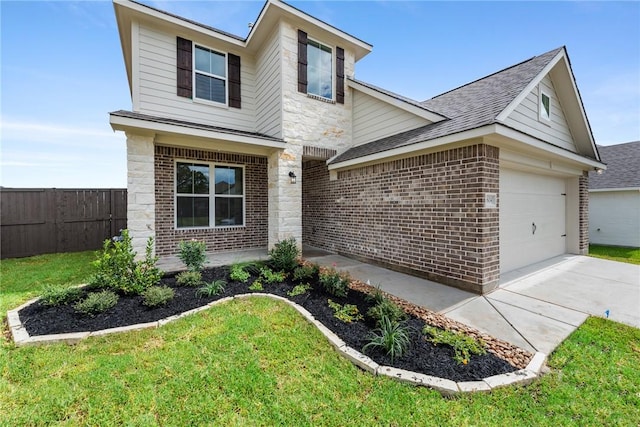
37 221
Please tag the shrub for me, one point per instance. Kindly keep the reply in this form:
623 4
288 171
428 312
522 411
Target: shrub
238 273
189 278
118 270
393 337
192 254
97 302
463 345
54 295
386 308
256 285
155 296
211 289
305 272
271 276
284 255
334 283
299 289
347 313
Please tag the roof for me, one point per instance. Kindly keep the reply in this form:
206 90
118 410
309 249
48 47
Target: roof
623 167
467 107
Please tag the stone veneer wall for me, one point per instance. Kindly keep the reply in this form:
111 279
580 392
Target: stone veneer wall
424 215
252 235
140 183
583 194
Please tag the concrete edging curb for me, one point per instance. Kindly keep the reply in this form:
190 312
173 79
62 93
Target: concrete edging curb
446 387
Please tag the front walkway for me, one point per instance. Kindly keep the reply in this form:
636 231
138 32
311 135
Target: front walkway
535 308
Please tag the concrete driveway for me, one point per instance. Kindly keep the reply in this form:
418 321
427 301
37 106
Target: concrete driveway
534 308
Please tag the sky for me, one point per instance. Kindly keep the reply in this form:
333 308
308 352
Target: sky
62 69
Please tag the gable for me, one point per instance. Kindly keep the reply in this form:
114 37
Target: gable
528 117
374 119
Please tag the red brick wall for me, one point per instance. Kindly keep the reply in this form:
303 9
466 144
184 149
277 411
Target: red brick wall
252 235
424 215
583 194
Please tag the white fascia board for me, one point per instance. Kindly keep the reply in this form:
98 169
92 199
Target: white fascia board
533 83
130 124
603 190
403 105
545 146
408 149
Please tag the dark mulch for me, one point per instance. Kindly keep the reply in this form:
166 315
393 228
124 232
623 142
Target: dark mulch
423 356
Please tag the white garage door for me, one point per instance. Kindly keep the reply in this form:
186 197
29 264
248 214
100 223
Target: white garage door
532 218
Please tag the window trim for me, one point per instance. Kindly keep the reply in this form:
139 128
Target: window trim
211 195
541 110
215 76
333 70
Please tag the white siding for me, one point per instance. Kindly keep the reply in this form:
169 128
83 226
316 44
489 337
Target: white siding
157 79
526 119
374 119
269 88
614 218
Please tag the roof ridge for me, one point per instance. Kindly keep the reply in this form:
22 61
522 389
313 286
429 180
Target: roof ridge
495 73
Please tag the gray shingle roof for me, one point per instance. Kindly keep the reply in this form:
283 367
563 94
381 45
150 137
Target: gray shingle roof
623 167
467 107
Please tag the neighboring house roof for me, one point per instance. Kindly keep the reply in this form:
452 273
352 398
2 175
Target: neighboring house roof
623 167
468 107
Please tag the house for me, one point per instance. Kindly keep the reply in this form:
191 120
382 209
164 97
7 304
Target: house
242 142
614 197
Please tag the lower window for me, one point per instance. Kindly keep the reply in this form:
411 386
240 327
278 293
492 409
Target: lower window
200 204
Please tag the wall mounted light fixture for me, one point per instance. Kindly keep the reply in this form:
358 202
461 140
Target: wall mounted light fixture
292 177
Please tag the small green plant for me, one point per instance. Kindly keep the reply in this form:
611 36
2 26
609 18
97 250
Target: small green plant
334 283
54 295
299 289
189 278
238 273
305 272
192 254
256 285
211 289
386 308
347 313
156 296
463 345
393 337
271 276
97 302
118 270
284 255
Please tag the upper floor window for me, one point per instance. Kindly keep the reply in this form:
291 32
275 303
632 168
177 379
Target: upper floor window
210 75
319 70
545 106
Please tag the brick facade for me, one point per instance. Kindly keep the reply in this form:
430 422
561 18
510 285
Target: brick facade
583 195
252 235
424 215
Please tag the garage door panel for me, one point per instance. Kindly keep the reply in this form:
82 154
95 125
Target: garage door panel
532 218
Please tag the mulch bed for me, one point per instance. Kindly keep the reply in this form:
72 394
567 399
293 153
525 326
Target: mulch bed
422 356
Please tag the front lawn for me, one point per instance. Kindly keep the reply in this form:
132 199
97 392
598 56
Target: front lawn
615 253
258 362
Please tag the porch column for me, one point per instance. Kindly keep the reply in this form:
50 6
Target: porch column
285 198
141 201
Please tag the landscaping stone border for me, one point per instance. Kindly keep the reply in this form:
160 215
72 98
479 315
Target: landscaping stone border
446 387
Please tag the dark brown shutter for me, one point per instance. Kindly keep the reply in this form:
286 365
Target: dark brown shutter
339 75
302 61
185 68
234 80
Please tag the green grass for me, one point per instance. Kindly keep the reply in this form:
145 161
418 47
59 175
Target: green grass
616 253
257 362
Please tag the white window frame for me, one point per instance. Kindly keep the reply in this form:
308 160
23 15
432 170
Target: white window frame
541 110
211 195
333 70
215 76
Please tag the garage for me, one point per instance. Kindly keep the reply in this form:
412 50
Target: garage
532 218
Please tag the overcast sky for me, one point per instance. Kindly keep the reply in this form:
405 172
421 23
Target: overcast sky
62 68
